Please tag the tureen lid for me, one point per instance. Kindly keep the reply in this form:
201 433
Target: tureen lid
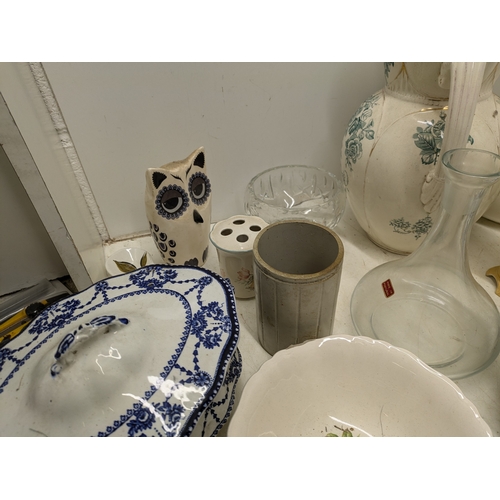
143 353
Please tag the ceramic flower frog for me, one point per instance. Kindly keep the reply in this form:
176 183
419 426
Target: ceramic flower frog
393 141
178 207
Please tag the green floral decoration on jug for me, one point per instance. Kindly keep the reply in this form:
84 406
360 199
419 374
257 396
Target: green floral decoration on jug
418 229
430 140
360 128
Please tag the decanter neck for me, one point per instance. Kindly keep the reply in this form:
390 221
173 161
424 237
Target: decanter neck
468 174
450 233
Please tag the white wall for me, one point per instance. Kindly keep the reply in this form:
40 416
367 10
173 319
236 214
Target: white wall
126 117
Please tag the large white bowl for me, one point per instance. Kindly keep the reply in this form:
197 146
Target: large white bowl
365 386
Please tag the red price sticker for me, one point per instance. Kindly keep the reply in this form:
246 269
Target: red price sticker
387 286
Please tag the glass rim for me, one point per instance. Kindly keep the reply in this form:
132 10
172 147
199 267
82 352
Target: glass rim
446 161
290 167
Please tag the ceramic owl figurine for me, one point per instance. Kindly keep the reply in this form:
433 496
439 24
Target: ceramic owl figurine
178 207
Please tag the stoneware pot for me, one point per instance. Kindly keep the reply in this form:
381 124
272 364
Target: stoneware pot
297 268
178 207
395 138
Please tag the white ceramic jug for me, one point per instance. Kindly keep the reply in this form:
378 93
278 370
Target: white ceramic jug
394 140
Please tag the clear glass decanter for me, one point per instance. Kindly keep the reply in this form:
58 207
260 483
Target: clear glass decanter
428 302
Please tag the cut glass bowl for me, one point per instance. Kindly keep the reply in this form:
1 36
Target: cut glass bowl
296 192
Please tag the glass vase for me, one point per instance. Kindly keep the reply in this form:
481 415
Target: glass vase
428 302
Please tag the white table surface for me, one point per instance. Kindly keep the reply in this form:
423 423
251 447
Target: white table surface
361 255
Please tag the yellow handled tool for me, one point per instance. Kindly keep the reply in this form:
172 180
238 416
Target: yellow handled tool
14 325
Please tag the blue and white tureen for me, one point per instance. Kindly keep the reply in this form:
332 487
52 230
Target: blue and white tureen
148 353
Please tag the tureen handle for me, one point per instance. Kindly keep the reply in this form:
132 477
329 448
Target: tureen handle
66 350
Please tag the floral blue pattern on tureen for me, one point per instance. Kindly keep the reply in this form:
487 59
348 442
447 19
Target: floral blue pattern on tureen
148 353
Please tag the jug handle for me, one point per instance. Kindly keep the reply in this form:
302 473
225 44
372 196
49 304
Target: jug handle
465 84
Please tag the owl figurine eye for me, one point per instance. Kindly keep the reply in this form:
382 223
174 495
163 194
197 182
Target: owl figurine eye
199 188
171 202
